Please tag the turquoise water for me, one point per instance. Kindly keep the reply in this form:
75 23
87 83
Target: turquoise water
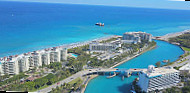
27 27
75 55
163 51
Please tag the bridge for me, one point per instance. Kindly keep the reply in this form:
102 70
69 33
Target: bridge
127 72
89 72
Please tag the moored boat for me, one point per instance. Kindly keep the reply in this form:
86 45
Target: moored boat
100 24
165 61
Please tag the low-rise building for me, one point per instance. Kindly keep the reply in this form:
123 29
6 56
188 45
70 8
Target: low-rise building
153 79
102 47
185 68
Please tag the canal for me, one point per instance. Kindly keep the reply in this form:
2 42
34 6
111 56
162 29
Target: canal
163 51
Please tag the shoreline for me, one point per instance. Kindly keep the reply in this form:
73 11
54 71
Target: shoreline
68 46
91 77
170 35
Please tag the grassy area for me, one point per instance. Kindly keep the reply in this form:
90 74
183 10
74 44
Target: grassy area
182 61
75 81
186 49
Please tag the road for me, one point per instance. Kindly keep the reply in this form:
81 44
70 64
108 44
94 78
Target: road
178 64
69 79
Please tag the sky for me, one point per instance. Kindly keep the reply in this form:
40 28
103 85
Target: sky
165 4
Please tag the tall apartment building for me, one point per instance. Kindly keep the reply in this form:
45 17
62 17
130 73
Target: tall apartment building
9 65
153 79
55 55
63 54
1 69
136 37
45 57
20 63
23 64
34 59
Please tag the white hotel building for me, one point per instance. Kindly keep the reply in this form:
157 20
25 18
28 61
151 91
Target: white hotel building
153 79
20 63
136 37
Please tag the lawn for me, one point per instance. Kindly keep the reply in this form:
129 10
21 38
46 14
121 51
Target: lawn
186 49
75 81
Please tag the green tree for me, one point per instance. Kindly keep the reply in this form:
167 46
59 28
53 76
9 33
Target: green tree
158 64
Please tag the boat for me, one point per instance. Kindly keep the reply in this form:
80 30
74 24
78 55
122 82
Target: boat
99 24
165 61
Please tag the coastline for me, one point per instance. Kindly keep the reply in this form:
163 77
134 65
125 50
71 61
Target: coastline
68 46
170 35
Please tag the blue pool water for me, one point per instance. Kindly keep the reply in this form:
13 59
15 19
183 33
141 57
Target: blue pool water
163 51
75 55
26 27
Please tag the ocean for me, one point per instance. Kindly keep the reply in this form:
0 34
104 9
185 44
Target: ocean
32 26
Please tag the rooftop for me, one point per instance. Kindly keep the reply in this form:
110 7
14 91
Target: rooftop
159 71
185 67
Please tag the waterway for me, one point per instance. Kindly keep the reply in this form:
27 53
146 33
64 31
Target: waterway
163 51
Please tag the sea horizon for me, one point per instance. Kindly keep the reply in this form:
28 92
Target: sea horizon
30 26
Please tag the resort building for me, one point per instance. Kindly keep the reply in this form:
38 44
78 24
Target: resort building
34 59
155 79
185 69
45 58
102 47
20 63
64 54
9 65
136 37
23 64
55 55
0 69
